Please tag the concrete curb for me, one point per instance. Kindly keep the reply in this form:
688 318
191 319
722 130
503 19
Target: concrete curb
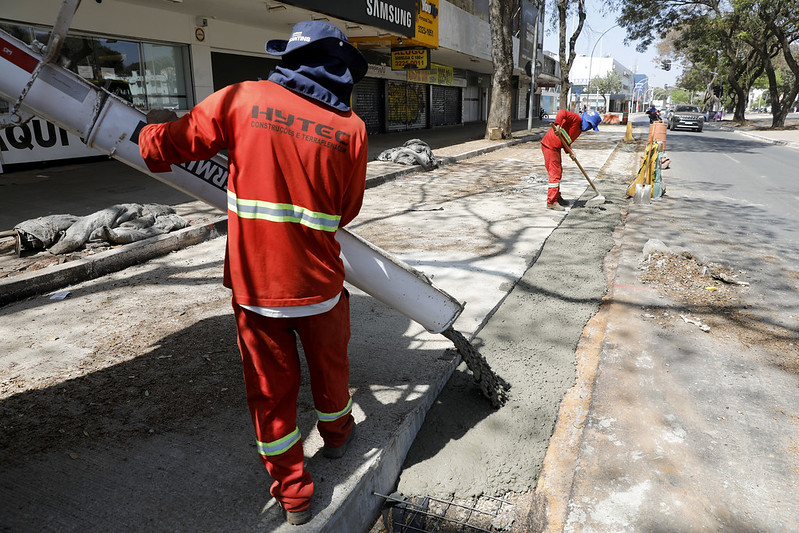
17 288
57 277
769 140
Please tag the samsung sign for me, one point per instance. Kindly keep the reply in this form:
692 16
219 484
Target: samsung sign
397 16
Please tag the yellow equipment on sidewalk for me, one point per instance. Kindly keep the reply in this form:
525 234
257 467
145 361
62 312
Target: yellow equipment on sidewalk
648 182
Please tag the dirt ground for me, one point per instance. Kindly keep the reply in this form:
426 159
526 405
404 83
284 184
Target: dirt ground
63 353
714 301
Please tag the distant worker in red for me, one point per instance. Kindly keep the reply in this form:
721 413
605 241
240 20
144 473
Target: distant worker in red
572 125
297 170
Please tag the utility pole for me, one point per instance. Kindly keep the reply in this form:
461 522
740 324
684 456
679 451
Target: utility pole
534 65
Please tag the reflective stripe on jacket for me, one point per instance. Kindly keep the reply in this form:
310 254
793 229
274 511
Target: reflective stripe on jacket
257 209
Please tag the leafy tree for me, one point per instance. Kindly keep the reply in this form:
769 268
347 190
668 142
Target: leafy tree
681 96
707 35
782 26
500 21
608 84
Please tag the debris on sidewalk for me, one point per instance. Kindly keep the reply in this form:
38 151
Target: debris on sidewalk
703 327
413 152
654 246
118 224
681 276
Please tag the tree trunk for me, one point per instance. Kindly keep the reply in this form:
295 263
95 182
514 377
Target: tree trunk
739 114
565 85
566 63
499 113
781 107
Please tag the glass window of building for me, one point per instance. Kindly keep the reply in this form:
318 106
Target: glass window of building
165 75
149 75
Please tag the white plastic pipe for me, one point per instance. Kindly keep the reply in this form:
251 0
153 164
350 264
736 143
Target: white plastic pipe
111 125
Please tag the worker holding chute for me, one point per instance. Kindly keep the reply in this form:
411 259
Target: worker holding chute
297 160
571 125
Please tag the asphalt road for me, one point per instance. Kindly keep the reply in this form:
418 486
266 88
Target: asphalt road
754 195
692 430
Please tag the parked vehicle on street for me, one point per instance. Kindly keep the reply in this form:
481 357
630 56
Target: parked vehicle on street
686 116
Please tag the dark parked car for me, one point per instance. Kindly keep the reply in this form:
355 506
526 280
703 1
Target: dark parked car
686 116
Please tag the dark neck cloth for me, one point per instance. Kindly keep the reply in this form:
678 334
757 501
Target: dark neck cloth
323 78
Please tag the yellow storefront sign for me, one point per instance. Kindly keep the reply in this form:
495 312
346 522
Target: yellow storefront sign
427 23
435 75
410 59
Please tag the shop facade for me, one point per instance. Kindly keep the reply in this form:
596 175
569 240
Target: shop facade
159 54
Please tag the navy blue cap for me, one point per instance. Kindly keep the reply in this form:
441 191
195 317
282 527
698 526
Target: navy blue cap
324 37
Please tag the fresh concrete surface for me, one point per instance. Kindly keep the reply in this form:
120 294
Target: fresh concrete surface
531 339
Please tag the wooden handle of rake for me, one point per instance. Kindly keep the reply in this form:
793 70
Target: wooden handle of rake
574 157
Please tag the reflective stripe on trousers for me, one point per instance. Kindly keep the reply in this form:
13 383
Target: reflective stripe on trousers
281 445
329 417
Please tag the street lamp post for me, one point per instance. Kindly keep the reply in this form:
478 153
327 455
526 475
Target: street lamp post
591 59
637 90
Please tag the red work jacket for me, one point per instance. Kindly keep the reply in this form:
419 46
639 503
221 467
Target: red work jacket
572 124
297 172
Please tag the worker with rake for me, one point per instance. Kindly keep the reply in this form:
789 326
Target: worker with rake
297 160
567 126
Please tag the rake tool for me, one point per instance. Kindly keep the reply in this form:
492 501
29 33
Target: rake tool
596 200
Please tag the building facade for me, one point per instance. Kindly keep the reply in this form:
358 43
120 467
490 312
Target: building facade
429 60
583 74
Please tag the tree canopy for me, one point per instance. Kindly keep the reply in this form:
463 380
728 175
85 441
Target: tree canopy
728 43
608 84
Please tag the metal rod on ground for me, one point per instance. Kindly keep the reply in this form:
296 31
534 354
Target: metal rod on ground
596 200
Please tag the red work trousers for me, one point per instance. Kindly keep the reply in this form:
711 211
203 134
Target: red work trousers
552 162
272 379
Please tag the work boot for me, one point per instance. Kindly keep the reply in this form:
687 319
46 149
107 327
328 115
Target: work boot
296 518
556 207
337 452
563 202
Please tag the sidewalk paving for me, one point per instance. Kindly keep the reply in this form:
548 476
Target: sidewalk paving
759 127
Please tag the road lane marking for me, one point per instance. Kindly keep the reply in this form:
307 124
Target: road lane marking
731 157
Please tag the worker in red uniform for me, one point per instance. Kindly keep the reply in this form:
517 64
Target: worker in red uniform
572 125
297 172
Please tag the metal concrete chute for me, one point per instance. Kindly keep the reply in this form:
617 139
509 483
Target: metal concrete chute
16 115
110 124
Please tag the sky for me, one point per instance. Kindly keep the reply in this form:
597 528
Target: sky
612 43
